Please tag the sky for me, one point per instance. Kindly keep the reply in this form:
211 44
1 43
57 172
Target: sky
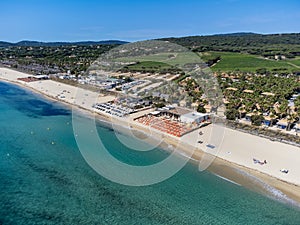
44 20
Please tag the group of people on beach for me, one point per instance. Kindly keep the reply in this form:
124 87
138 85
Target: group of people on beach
259 162
265 162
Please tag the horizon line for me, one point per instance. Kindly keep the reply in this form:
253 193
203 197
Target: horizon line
142 39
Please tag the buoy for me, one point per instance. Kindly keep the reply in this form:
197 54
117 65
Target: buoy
48 128
31 132
7 154
52 142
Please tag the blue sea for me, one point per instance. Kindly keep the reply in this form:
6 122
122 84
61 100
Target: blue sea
44 179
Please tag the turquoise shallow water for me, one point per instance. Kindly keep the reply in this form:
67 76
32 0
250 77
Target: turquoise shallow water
44 179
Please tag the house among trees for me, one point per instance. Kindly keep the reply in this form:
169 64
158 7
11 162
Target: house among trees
268 94
248 91
269 121
282 124
231 89
297 127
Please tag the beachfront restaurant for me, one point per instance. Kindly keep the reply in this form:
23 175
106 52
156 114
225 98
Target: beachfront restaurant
181 114
194 117
41 77
174 113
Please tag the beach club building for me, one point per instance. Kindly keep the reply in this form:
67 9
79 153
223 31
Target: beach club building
181 114
172 112
41 77
194 117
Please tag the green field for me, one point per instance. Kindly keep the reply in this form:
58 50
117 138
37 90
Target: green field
164 62
295 61
150 66
172 58
229 62
249 63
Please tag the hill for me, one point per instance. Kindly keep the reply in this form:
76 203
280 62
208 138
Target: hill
244 52
267 45
56 44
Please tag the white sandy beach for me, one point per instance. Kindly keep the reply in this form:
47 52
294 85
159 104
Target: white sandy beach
59 91
235 146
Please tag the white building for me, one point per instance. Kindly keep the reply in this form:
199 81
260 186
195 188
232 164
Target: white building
194 117
41 77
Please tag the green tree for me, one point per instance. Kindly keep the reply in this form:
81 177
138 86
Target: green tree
261 71
201 109
231 114
257 120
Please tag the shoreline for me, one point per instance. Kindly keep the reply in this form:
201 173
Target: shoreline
290 189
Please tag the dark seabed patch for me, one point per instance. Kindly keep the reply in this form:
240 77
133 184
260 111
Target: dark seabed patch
29 103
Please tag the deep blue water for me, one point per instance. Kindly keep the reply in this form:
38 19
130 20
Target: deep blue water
45 180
